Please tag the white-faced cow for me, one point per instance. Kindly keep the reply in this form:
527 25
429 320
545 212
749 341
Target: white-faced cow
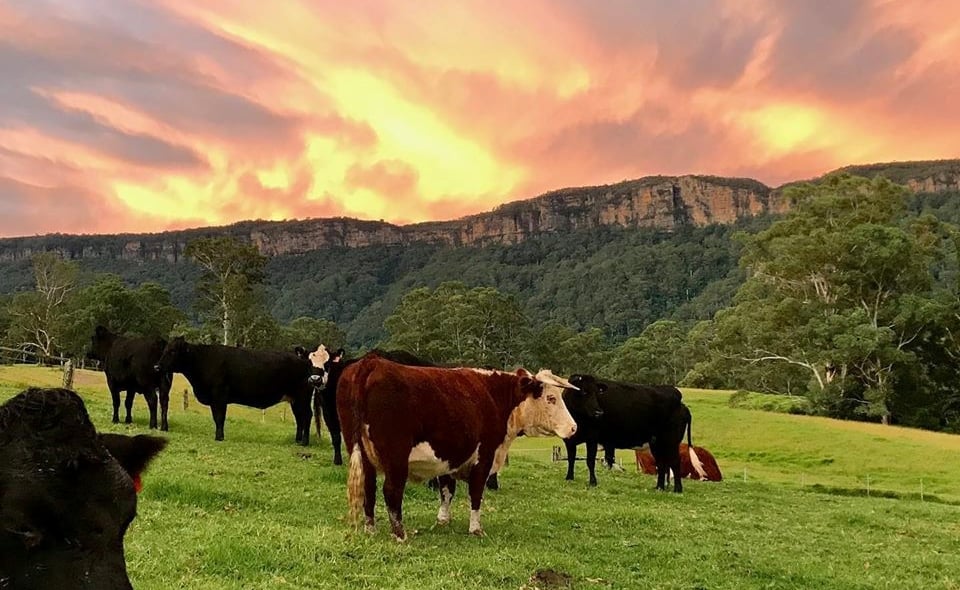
222 375
128 365
627 416
417 423
67 494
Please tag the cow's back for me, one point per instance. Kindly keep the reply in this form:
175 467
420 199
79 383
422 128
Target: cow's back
252 377
399 407
633 413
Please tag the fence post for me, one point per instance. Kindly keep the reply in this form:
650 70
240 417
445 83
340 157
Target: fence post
868 485
921 489
744 475
68 374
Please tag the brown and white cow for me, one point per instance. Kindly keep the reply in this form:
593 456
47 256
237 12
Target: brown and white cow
695 463
417 423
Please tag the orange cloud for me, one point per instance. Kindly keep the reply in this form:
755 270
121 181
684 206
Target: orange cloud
176 113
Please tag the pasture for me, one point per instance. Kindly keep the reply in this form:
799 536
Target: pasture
258 511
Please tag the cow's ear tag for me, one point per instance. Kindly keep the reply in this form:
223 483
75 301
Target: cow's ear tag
137 483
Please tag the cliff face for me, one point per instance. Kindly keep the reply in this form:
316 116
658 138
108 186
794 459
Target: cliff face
662 202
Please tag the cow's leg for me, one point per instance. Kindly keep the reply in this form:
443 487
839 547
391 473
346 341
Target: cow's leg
330 418
302 415
493 482
318 410
592 461
335 440
115 396
164 406
609 455
394 481
571 458
129 406
448 487
219 411
151 397
477 482
369 492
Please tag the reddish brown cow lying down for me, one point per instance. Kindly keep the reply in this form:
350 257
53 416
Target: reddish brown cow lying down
695 462
67 494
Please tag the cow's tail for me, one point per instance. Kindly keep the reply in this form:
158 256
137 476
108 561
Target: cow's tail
689 427
356 494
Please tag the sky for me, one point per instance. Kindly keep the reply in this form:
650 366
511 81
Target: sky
132 116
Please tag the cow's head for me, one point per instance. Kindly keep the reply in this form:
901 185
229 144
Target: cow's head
542 411
173 357
100 343
67 494
319 358
583 401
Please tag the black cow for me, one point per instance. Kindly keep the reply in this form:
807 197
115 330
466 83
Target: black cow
67 494
222 375
128 364
627 416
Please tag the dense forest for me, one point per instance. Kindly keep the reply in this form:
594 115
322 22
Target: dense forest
848 305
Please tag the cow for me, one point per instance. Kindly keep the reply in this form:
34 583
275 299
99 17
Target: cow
417 423
67 494
128 365
325 398
695 462
621 415
222 375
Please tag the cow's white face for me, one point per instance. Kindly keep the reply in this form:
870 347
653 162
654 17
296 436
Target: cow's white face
319 358
546 414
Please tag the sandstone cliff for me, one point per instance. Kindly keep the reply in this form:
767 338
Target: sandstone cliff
662 202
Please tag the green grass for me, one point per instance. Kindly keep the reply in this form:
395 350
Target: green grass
257 511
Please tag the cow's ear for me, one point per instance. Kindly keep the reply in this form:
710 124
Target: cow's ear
530 386
133 453
300 352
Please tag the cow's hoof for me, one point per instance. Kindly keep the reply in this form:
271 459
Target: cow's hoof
338 461
593 484
478 532
164 428
569 478
128 420
443 521
116 420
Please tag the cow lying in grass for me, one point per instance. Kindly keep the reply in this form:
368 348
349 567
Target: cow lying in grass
67 494
695 463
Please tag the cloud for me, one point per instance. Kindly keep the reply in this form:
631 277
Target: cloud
171 113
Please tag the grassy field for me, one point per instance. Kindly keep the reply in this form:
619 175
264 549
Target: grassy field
257 511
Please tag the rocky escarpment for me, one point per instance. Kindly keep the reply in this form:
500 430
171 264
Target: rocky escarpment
663 202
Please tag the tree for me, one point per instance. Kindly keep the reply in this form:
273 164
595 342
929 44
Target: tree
38 318
232 271
830 290
566 351
454 323
657 355
311 332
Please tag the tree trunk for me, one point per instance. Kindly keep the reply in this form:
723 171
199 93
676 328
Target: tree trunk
885 419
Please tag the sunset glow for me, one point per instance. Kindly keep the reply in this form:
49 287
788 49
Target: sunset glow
132 115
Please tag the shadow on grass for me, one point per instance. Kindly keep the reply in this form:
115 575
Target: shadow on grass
863 493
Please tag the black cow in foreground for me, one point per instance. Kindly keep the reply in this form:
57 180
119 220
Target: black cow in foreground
222 375
627 416
128 364
67 494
